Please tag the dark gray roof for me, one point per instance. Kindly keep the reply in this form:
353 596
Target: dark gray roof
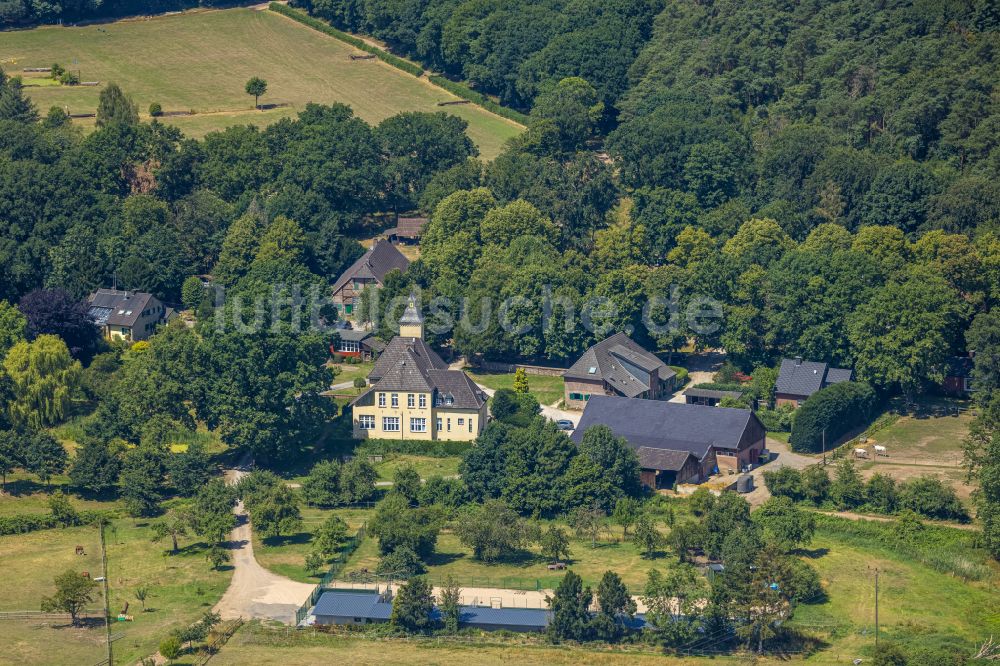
666 425
117 308
662 459
711 393
409 364
605 361
455 383
411 315
372 606
354 334
803 378
375 263
393 353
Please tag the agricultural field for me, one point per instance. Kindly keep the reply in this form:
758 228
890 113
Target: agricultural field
181 588
199 61
547 389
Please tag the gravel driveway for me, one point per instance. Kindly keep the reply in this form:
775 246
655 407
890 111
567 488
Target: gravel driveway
255 592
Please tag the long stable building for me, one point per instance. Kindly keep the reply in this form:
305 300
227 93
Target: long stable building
414 395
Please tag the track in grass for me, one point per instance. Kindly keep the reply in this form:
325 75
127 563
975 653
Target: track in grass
201 61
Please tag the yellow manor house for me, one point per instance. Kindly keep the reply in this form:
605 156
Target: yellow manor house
414 395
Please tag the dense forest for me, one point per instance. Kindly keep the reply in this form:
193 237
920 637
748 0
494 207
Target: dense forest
27 12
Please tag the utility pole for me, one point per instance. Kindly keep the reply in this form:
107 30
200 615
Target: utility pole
876 607
107 603
824 447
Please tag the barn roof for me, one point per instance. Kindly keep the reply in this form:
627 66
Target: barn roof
673 426
375 263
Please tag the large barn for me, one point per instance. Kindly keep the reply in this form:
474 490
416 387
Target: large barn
676 442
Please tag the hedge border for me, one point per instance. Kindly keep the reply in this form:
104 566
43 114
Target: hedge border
467 93
316 24
454 87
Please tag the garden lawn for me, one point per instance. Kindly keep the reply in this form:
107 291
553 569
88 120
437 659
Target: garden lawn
201 60
286 555
547 389
181 588
426 466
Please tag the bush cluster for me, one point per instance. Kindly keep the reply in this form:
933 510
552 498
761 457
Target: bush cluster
836 409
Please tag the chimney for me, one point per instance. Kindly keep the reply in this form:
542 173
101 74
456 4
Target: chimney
798 360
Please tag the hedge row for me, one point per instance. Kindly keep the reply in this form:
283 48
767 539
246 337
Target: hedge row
681 376
316 24
722 386
413 447
465 92
835 409
21 523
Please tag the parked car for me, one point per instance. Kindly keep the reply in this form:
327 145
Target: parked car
565 424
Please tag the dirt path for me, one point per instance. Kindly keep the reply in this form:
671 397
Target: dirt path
850 515
782 456
255 592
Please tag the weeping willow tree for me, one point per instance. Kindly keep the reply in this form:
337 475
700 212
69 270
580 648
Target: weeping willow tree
44 378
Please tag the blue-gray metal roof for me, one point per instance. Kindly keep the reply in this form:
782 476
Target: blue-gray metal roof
353 604
508 617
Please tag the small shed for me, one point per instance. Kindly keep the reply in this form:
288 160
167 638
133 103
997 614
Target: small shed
710 397
407 230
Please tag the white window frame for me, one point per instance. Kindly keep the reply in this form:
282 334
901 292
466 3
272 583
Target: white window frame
349 346
422 400
439 424
410 400
381 399
394 400
390 424
366 422
418 424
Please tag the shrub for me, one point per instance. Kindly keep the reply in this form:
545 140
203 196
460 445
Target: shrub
68 78
401 563
777 420
835 410
155 110
170 647
930 497
784 482
360 382
681 378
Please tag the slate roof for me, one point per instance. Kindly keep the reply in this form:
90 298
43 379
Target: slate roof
803 378
603 361
662 459
375 263
393 353
673 426
455 383
117 308
409 364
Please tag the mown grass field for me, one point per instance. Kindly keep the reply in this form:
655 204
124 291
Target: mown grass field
201 60
426 466
547 389
181 588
